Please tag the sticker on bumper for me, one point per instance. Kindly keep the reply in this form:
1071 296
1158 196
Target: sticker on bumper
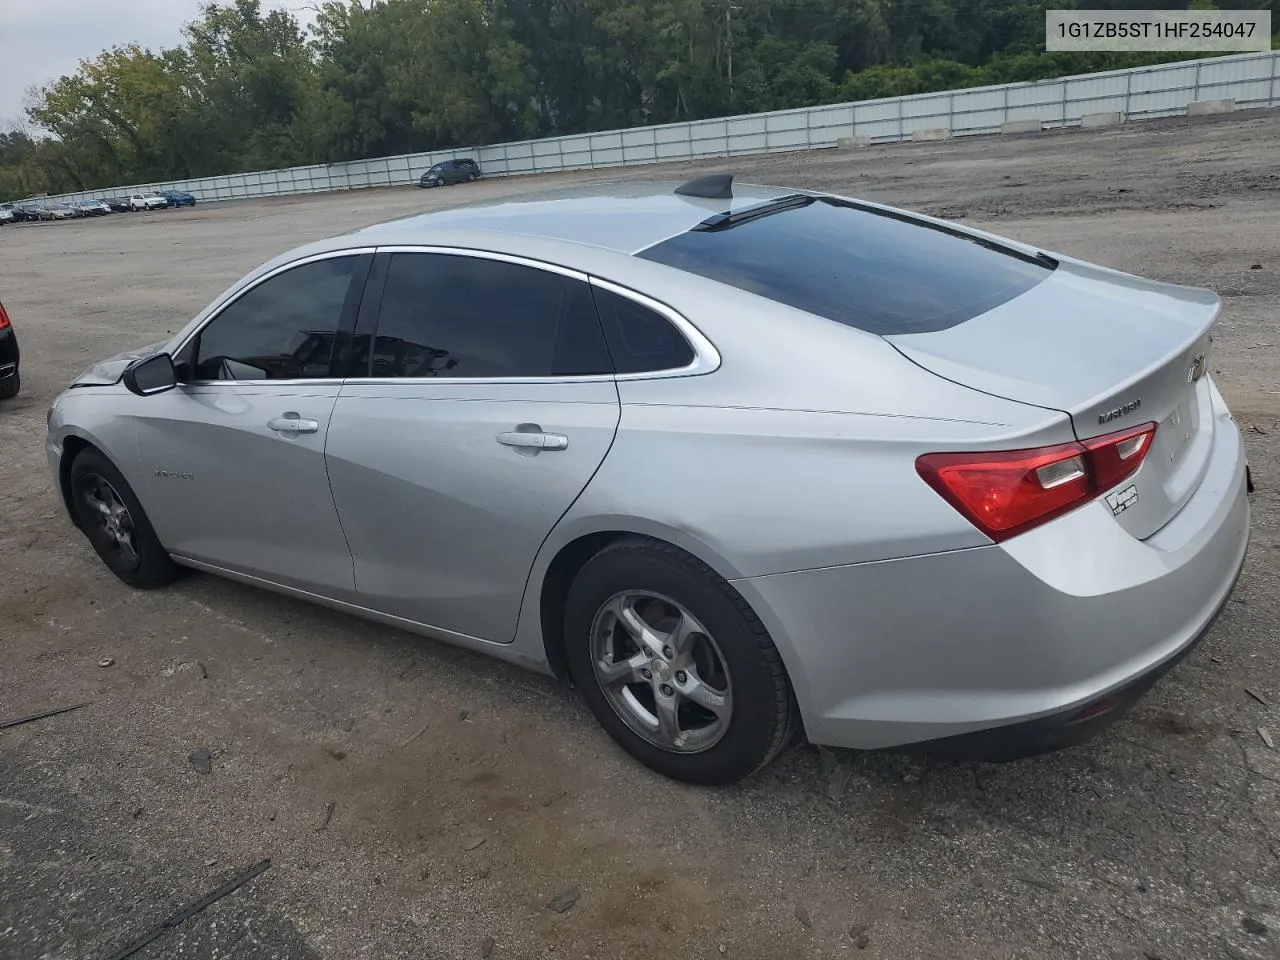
1121 500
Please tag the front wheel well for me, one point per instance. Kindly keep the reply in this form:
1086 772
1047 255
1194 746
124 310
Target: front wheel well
71 448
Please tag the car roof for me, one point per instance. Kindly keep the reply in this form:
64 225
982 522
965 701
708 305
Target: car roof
622 216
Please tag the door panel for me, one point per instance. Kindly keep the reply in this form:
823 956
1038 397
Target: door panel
228 489
235 454
444 519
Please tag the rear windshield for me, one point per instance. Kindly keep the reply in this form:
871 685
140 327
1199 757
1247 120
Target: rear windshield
878 271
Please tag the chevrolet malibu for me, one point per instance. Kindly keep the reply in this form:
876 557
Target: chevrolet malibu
738 461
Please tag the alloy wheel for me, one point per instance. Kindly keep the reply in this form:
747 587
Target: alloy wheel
661 671
113 525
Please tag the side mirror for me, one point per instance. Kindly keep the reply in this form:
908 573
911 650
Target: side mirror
152 375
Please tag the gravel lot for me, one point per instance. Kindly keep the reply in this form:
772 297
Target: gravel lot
1159 840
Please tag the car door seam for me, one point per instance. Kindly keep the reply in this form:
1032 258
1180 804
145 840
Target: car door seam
328 479
524 594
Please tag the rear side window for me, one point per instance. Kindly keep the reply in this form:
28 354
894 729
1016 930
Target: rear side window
862 267
640 341
447 315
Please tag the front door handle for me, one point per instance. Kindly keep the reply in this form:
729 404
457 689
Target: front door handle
292 423
533 441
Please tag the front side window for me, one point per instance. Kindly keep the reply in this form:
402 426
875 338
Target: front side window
282 329
446 315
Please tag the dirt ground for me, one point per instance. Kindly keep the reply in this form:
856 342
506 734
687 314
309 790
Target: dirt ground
389 841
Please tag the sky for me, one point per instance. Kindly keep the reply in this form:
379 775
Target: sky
40 40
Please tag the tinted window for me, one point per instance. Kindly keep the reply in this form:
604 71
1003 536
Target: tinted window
865 268
283 328
640 340
457 316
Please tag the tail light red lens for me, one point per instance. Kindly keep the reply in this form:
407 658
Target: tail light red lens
4 318
1117 455
1008 492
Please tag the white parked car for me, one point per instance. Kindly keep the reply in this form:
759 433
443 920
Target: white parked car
736 460
147 201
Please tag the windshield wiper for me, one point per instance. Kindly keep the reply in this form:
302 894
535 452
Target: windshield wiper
723 221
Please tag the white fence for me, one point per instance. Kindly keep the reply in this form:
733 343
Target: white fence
1250 80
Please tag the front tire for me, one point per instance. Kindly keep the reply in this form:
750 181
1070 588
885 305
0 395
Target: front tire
109 514
675 665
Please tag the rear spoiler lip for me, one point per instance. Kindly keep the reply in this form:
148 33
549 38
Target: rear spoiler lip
1203 295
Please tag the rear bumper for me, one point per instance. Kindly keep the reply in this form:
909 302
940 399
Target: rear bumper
9 353
1066 728
1014 643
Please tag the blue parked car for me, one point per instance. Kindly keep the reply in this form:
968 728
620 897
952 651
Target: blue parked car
178 198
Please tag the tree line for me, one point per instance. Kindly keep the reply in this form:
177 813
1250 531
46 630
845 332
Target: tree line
249 89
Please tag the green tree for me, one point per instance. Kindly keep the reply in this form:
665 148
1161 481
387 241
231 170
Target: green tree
247 90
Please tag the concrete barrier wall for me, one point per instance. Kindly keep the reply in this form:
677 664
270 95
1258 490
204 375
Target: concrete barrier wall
1115 96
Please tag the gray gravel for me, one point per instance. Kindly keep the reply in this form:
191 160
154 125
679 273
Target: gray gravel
364 761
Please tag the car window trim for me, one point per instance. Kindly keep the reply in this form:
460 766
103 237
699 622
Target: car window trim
344 334
706 358
220 308
367 313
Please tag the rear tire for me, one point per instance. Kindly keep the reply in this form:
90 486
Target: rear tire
675 665
10 386
109 514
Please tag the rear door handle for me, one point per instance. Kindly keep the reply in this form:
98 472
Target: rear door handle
292 423
533 441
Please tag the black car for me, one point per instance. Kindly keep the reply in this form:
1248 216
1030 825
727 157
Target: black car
450 171
22 212
118 204
10 382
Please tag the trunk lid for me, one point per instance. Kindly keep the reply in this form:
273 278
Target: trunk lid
1110 350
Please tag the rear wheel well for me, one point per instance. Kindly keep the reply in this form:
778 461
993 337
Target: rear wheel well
555 592
71 447
559 577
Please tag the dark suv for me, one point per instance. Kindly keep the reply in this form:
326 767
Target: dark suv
450 171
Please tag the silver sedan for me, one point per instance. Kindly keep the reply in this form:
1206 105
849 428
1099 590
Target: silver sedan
736 460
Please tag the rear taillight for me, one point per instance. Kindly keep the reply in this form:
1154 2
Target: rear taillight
1008 492
1116 455
4 318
